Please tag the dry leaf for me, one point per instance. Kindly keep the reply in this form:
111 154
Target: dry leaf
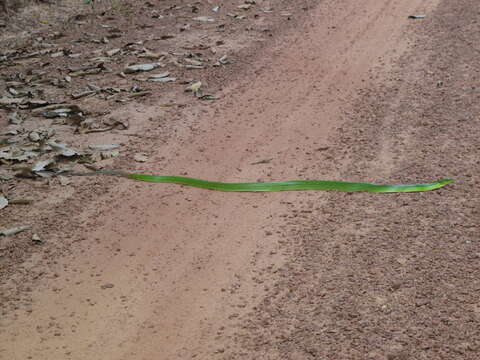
205 19
63 149
15 118
3 202
195 87
141 67
105 147
42 165
15 230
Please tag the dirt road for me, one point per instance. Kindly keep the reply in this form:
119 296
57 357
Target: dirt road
357 92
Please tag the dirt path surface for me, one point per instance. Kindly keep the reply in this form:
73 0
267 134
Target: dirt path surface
355 91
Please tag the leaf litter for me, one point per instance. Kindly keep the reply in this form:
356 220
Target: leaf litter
54 78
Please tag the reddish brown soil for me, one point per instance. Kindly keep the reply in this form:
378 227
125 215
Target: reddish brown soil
354 91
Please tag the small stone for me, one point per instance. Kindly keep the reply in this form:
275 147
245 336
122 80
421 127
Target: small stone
37 239
396 285
107 286
140 157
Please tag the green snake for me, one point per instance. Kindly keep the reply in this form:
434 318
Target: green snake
291 185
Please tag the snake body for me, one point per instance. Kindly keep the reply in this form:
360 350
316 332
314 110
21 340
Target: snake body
291 185
288 185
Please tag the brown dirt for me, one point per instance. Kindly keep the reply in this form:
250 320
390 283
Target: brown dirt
353 90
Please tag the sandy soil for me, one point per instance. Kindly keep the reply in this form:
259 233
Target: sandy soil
345 90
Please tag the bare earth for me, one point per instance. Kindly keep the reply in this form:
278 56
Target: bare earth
345 89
